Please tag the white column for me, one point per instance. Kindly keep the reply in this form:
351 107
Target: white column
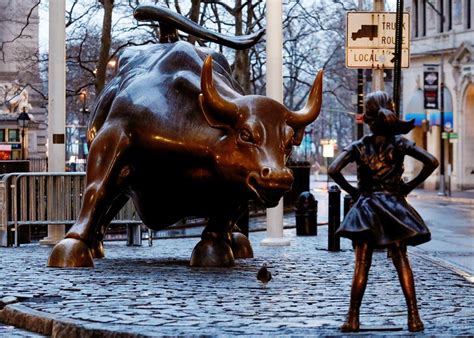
377 74
274 78
56 101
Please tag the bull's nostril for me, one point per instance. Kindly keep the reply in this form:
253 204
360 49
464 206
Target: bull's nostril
266 172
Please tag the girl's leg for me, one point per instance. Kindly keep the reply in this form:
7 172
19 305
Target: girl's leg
400 260
363 260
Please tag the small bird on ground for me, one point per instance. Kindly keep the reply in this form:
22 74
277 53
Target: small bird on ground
263 275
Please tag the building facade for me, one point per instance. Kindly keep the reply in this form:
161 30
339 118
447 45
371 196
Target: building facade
20 83
446 47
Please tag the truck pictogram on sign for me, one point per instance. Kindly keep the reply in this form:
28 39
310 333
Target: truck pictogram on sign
370 40
366 31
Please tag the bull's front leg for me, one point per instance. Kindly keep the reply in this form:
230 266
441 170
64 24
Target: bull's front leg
219 245
106 177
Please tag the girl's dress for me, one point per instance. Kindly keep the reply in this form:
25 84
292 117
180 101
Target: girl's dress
381 215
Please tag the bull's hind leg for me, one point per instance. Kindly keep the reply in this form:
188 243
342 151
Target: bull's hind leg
106 177
214 249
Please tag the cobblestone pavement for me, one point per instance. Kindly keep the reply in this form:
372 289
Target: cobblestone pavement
152 291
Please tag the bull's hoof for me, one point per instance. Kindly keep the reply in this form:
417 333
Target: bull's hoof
212 253
97 249
241 246
70 253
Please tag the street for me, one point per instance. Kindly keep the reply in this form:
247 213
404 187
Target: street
452 229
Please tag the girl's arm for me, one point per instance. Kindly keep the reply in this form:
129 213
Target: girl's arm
430 163
334 170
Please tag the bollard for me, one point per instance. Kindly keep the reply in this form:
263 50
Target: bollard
150 237
334 217
347 204
306 214
134 235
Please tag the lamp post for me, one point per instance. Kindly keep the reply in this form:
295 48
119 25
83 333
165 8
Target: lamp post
83 125
23 121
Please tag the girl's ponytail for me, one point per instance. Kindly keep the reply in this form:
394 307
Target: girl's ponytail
381 118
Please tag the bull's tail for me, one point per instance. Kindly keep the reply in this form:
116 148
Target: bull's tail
170 21
101 110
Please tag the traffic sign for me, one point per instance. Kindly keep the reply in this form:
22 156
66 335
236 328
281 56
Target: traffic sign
451 136
370 40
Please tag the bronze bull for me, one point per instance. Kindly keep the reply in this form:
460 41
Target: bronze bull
173 132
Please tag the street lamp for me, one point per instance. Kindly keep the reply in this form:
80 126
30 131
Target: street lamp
23 121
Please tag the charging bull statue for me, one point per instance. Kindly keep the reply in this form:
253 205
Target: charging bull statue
173 132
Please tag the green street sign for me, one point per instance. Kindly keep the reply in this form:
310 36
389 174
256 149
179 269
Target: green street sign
451 136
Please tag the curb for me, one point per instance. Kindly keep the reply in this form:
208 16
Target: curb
465 200
43 323
444 264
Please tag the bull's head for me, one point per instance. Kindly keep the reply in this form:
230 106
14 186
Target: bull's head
259 134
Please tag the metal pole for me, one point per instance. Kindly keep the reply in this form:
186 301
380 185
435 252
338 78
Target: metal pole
360 101
360 91
23 143
442 183
274 79
398 56
377 74
56 101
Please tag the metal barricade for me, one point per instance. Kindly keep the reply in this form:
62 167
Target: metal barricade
45 199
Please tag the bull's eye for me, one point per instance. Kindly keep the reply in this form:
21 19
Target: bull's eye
246 136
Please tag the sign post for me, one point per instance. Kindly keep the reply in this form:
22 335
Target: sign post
328 152
370 40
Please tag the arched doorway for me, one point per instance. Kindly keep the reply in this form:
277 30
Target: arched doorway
467 148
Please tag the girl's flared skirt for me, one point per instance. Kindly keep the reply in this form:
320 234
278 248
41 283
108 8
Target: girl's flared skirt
384 219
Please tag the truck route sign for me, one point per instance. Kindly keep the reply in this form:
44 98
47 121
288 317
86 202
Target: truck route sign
370 40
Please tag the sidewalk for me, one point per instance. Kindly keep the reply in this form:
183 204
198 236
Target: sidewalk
151 291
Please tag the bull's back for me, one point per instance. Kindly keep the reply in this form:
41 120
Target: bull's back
158 86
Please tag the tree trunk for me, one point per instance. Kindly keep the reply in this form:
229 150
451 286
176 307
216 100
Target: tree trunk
242 63
106 40
194 15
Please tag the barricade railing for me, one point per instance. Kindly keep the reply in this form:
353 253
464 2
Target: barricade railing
45 199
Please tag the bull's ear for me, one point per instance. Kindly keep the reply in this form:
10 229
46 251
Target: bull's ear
298 136
212 118
218 111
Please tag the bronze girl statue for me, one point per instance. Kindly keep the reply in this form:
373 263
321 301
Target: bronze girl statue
381 216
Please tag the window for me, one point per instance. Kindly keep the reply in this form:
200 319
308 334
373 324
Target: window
450 15
13 135
415 23
468 14
2 135
441 16
423 17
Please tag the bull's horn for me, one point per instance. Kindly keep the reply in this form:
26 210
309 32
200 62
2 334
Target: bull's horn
311 110
213 103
